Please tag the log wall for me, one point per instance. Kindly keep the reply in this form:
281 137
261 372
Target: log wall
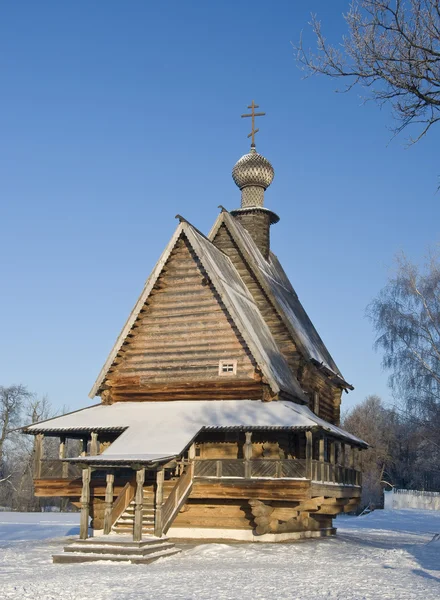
181 334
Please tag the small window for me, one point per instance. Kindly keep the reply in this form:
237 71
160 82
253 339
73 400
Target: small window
227 367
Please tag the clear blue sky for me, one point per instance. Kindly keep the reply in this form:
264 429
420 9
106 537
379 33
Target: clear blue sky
115 116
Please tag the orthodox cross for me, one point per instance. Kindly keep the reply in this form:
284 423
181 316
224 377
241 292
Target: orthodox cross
253 114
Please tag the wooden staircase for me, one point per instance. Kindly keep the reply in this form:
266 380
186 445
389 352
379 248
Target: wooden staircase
125 522
119 548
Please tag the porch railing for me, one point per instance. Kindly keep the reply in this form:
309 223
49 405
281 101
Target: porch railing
177 497
261 469
57 469
333 473
276 469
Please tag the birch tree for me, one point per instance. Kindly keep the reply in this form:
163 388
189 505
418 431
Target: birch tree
392 50
406 319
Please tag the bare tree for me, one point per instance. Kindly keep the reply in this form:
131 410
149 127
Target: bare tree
393 50
372 421
12 400
406 317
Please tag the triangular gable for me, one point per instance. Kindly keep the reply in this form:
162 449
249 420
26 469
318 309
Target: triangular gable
239 304
278 288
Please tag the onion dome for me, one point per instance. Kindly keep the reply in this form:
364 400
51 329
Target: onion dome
253 170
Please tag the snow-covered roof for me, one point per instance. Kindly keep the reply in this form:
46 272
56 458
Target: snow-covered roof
158 430
276 284
239 304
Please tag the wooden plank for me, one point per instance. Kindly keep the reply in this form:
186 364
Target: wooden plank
334 491
263 490
52 488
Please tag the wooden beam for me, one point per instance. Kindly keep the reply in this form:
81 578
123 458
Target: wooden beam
139 504
158 502
85 504
110 479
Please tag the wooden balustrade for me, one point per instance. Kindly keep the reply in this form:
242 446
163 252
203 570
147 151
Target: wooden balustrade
57 469
177 497
272 468
126 495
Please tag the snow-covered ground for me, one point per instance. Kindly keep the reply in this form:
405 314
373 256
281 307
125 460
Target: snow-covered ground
379 556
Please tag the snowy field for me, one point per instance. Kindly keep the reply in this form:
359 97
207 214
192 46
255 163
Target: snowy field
379 556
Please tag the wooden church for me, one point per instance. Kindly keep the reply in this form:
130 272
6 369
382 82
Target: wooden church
219 403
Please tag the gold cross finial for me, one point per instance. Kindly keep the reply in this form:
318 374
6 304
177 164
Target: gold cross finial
253 114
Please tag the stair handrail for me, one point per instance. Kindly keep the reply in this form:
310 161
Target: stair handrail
178 496
124 498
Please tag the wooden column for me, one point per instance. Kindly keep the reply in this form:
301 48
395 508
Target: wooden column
61 455
333 460
158 501
139 504
309 452
192 452
94 444
38 456
343 456
110 479
85 441
321 456
85 504
248 454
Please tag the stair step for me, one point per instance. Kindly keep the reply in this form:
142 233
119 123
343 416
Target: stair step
128 521
119 549
126 540
129 526
72 557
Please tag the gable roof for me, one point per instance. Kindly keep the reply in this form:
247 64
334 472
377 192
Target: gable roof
154 431
278 288
238 302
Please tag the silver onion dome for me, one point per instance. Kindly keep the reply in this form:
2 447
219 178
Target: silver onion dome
253 170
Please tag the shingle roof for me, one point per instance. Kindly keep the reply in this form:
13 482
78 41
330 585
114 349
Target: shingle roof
277 286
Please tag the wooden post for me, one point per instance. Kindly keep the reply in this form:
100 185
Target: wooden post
309 449
333 460
158 501
321 456
61 455
248 455
192 452
85 504
94 444
139 504
110 479
85 441
38 456
343 463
